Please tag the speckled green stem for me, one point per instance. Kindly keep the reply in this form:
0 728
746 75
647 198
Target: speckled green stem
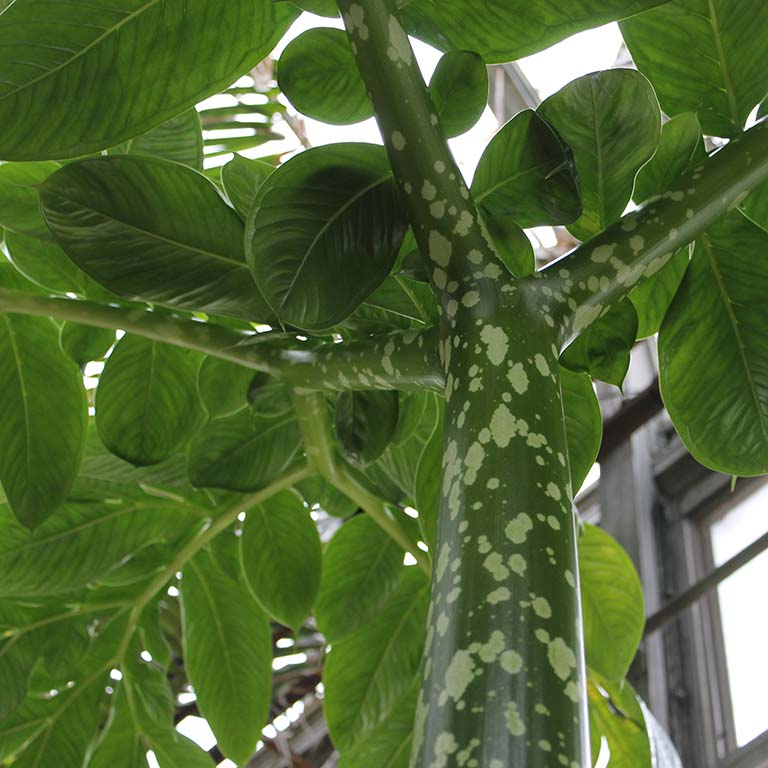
406 360
503 672
584 284
444 217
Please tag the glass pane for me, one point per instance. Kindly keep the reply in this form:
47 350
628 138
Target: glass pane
744 611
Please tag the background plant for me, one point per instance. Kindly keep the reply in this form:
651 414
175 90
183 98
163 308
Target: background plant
414 358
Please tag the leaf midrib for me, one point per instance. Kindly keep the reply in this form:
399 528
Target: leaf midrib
736 331
326 226
157 236
393 638
106 33
23 392
723 64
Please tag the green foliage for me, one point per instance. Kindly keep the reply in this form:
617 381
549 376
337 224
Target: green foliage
314 276
617 134
703 56
208 456
94 59
459 89
614 610
713 351
223 622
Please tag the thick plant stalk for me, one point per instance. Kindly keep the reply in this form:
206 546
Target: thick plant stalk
503 672
405 361
584 284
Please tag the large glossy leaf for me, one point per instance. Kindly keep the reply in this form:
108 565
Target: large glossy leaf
318 74
282 558
713 354
242 453
146 401
526 173
389 744
368 671
19 204
179 139
459 90
242 178
44 414
611 121
680 148
583 424
118 69
604 347
324 232
81 543
227 654
704 56
153 230
428 484
508 29
612 600
361 568
365 424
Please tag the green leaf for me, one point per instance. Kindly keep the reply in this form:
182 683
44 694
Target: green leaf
652 297
46 265
361 569
703 56
680 148
155 231
389 743
368 671
223 386
324 232
242 178
19 203
512 245
146 401
84 343
526 173
243 453
713 354
613 605
80 544
318 74
509 29
459 90
45 411
228 655
615 713
120 69
603 348
365 424
611 121
583 424
179 139
403 298
282 558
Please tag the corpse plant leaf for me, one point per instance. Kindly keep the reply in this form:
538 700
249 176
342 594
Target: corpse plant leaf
329 346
